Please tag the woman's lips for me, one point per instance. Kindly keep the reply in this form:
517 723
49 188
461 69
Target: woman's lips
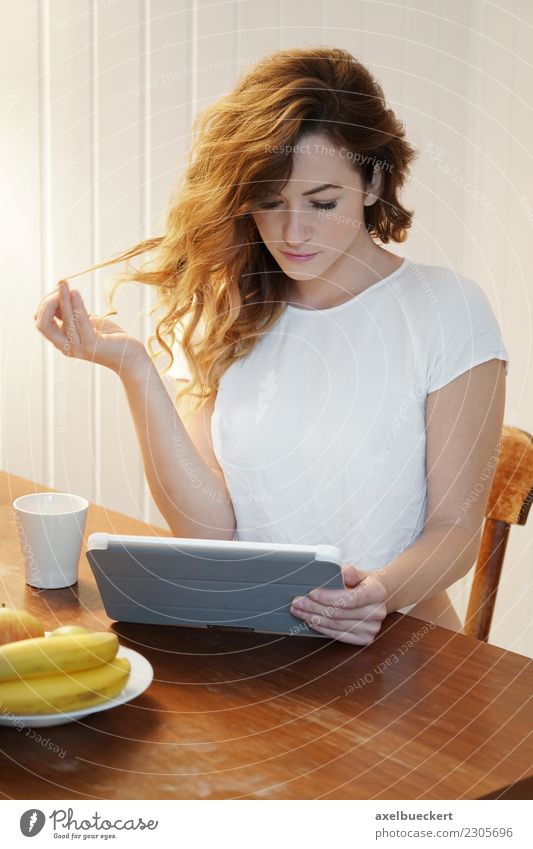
299 257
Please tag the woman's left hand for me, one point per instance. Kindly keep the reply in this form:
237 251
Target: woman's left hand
352 615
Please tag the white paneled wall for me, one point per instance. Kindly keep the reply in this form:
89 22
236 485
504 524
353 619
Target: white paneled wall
96 105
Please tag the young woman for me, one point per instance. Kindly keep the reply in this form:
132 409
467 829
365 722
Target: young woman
347 395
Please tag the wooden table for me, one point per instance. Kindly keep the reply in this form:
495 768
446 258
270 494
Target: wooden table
256 716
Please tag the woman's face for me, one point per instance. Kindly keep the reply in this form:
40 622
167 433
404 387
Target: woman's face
320 211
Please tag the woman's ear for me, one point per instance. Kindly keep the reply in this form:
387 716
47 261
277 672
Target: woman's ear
373 191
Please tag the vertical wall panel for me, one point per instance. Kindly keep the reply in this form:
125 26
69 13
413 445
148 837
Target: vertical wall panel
119 110
70 231
297 29
168 112
23 384
257 32
418 114
213 50
170 101
500 162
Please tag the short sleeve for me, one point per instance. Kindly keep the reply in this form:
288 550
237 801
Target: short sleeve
464 332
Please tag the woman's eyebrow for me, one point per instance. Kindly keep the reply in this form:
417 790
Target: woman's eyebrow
321 188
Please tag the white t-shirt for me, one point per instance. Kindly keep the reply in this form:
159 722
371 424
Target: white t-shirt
320 429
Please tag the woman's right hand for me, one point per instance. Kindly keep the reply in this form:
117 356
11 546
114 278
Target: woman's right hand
85 336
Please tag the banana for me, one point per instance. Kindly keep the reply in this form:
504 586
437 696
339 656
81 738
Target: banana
44 656
68 629
65 692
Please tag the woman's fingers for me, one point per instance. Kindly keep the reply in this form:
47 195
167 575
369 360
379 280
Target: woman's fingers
45 318
70 322
361 631
367 591
352 575
332 612
351 616
86 324
75 334
352 637
369 624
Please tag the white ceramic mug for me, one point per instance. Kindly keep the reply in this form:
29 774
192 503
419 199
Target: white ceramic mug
50 526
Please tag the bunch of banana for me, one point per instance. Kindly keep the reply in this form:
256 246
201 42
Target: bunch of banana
60 674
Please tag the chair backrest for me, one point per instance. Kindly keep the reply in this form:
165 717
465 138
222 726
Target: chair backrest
508 504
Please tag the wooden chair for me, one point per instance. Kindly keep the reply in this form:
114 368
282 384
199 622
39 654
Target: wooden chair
508 504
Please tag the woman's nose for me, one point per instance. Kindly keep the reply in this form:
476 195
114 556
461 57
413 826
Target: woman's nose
296 226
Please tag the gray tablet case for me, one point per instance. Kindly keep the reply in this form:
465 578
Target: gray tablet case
219 584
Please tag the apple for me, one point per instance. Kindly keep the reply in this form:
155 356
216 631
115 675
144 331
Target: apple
65 630
18 625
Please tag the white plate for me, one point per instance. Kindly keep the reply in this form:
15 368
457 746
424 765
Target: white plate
141 676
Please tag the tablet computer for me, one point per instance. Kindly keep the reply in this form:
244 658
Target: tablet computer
218 584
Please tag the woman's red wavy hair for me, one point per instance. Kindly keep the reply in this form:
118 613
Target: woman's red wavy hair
211 267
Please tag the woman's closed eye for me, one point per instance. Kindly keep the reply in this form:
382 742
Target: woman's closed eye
326 205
